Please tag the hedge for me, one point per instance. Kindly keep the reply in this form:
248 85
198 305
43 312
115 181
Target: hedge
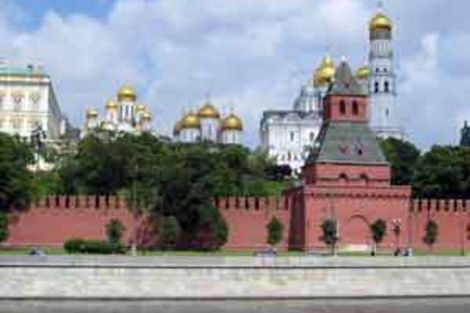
77 245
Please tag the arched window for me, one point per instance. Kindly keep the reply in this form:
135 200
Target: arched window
376 87
364 179
343 178
387 86
355 108
342 107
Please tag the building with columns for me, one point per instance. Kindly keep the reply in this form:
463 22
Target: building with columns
207 124
122 114
28 100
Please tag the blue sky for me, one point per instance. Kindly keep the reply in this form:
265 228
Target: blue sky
251 55
34 10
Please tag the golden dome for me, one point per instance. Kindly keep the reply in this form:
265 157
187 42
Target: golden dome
190 120
325 72
380 21
232 122
127 93
91 113
363 72
208 111
146 116
141 107
111 104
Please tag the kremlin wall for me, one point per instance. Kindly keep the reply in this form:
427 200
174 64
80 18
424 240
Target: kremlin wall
55 219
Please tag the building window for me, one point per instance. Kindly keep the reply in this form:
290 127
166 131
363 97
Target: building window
342 107
355 108
312 136
34 98
387 112
292 136
376 87
387 86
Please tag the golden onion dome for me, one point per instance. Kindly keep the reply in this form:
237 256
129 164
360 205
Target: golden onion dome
380 21
127 93
111 104
190 120
363 72
208 111
91 113
141 107
146 116
325 72
232 122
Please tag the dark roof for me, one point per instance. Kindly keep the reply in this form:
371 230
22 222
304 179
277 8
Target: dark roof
345 83
347 142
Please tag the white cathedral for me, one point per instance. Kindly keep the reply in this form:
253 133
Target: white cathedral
288 135
122 114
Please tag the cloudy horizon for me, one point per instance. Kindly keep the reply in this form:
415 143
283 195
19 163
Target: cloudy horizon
249 55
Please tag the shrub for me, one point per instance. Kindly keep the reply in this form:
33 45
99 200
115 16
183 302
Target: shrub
170 231
274 229
92 247
114 231
3 227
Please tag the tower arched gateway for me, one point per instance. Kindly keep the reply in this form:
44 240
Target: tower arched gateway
346 172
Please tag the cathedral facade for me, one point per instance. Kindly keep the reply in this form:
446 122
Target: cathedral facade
207 124
122 114
287 136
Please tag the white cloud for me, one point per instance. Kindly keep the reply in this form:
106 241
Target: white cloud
253 54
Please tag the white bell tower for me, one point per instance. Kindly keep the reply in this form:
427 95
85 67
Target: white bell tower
382 82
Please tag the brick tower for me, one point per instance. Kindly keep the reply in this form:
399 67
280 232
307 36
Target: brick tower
347 177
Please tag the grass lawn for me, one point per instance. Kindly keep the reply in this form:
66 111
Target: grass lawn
4 251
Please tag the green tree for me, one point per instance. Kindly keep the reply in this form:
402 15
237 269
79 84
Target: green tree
330 233
274 229
431 233
403 157
378 231
114 231
443 172
169 233
15 179
3 226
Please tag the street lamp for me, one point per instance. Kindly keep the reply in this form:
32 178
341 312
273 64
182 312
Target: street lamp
38 135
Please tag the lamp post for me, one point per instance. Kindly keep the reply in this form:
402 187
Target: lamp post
396 228
38 135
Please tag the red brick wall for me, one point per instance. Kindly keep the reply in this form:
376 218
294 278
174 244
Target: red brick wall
452 217
355 209
54 220
247 219
330 174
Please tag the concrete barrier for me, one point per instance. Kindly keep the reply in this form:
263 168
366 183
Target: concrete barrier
169 278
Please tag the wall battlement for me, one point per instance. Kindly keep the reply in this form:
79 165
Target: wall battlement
254 203
79 202
425 206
